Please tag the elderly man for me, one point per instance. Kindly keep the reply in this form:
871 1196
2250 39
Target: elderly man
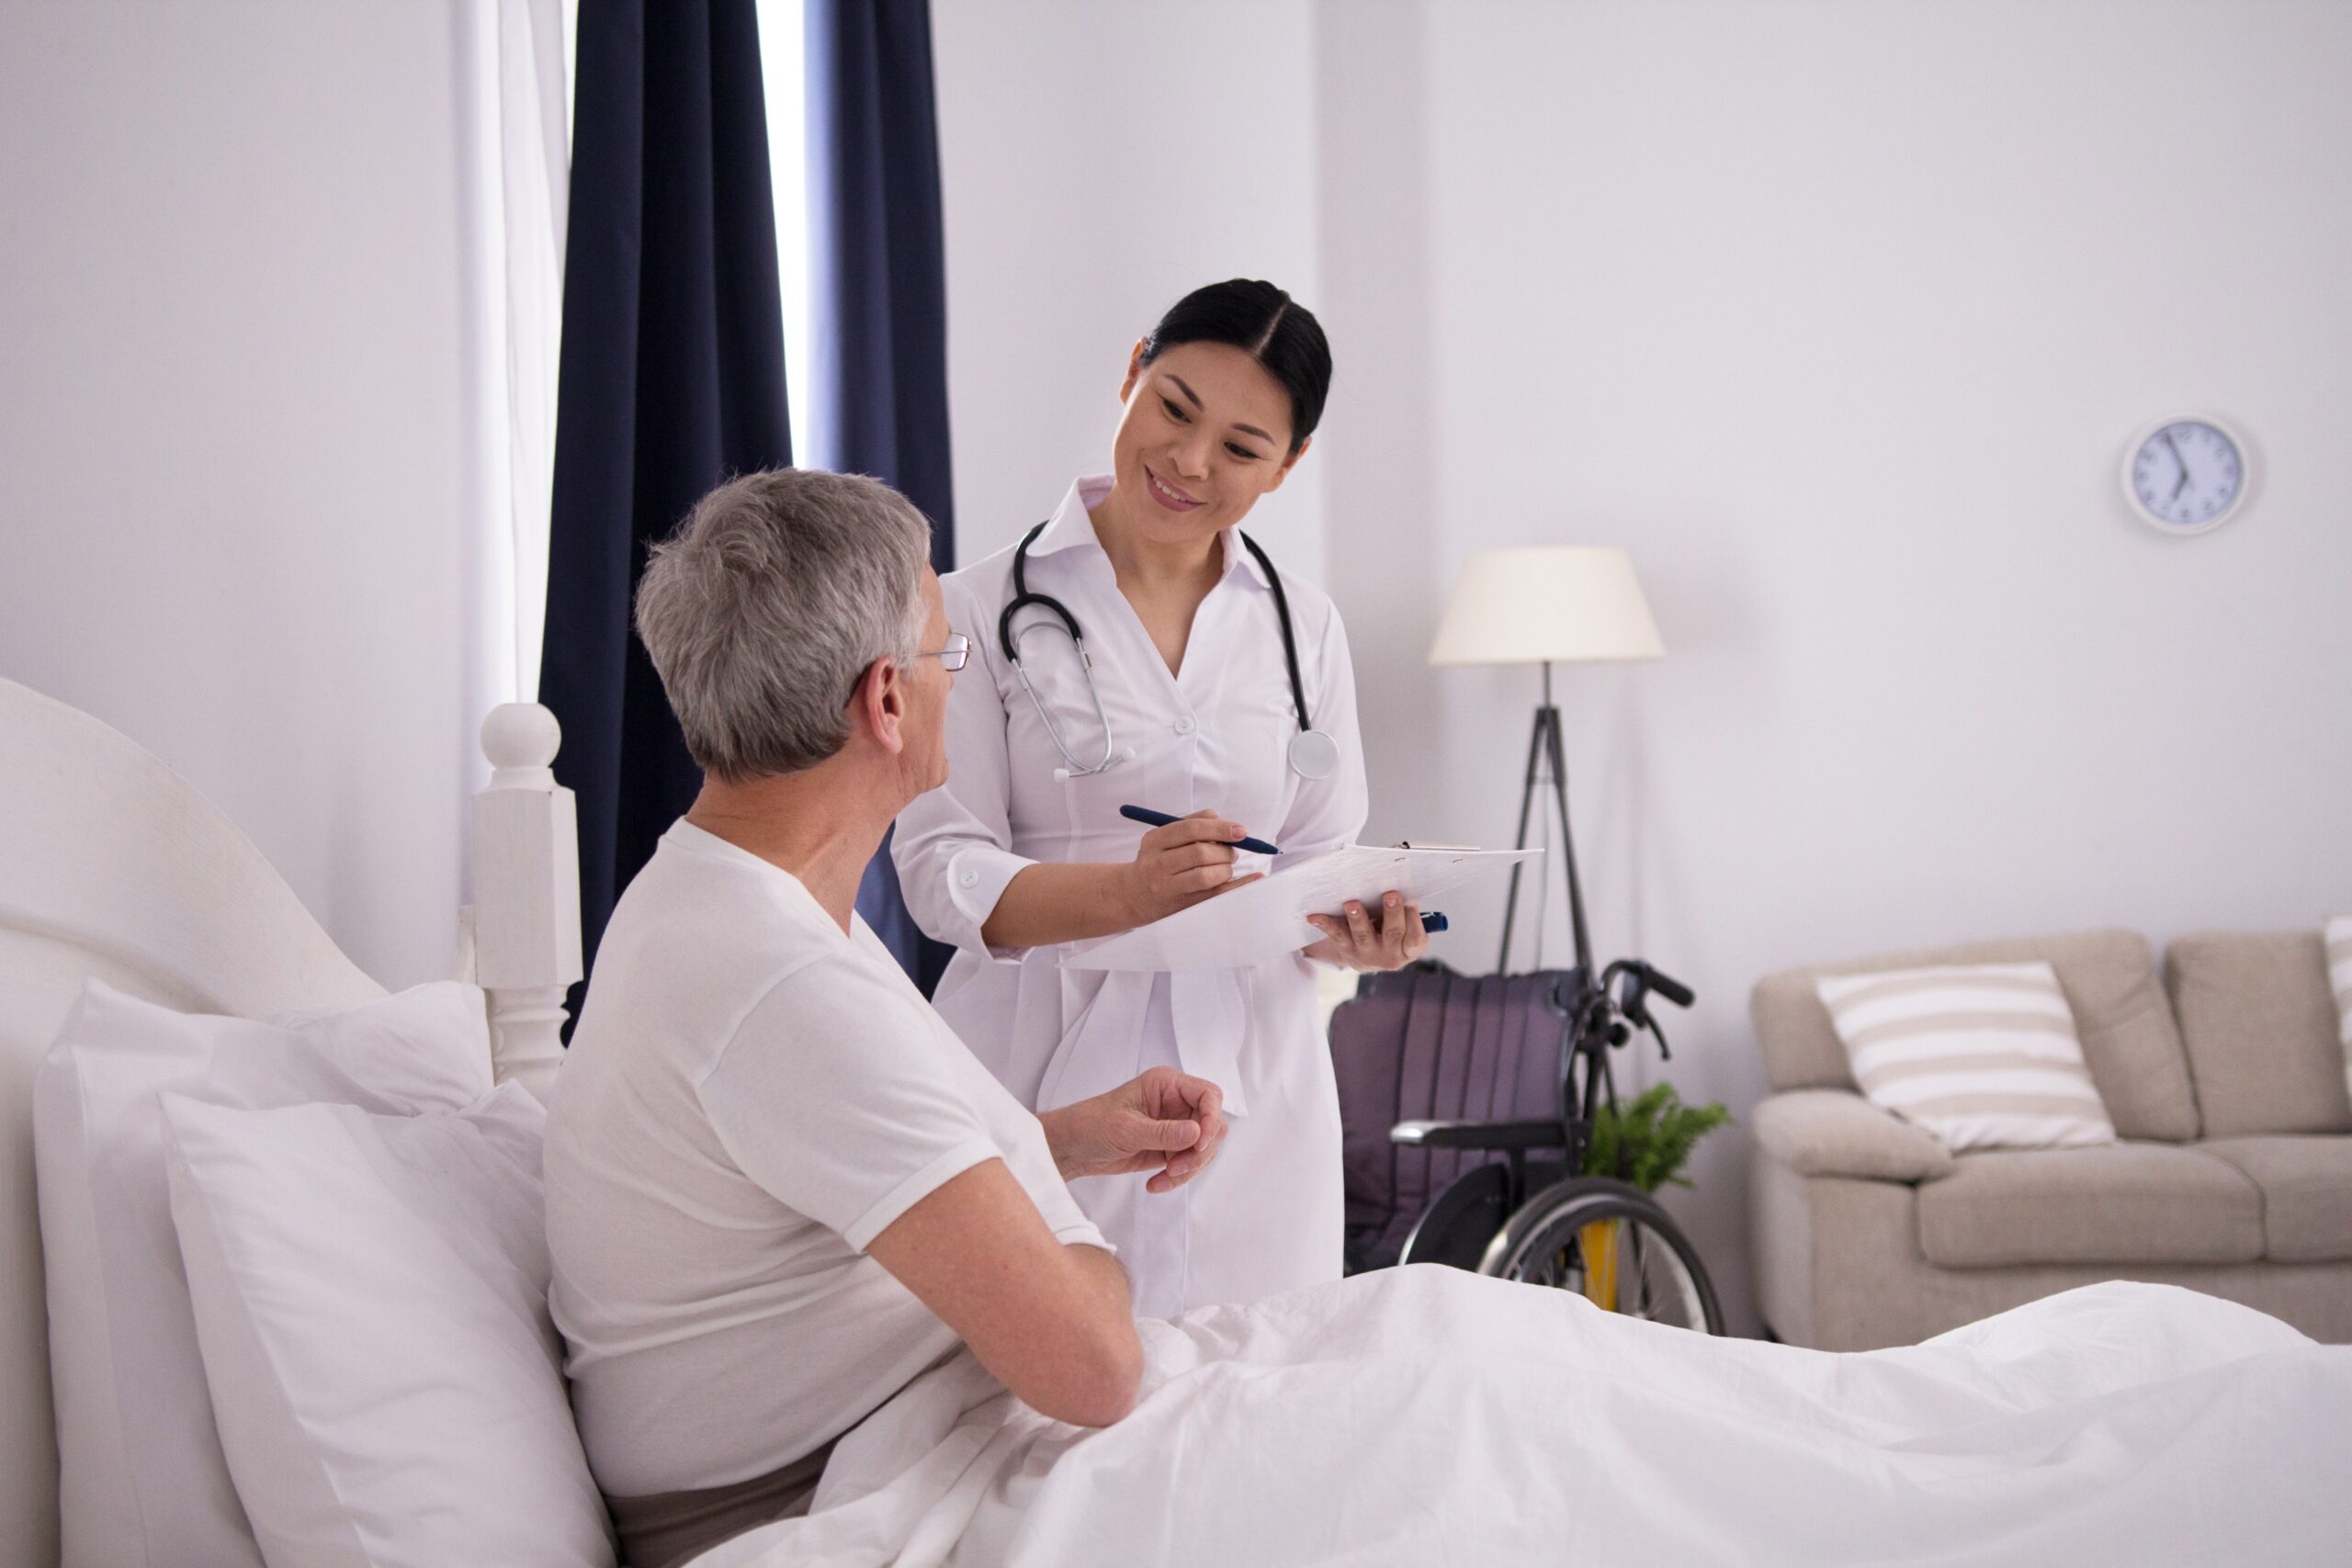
778 1186
780 1193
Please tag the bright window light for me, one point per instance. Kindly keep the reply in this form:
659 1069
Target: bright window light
570 9
783 74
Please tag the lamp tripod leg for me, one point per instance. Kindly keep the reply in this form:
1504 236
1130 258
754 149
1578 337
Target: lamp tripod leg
1535 752
1567 844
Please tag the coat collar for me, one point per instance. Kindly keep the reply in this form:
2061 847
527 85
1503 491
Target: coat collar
1071 529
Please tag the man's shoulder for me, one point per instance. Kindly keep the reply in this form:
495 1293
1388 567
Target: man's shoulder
694 945
836 1004
714 926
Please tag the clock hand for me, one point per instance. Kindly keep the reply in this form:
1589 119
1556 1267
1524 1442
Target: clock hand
2182 462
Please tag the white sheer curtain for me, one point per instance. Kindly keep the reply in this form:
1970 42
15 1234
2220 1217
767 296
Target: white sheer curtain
514 70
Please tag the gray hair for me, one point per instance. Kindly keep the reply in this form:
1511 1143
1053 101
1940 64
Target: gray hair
768 602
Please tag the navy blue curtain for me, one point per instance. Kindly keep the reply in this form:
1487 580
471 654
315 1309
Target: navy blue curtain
878 295
671 381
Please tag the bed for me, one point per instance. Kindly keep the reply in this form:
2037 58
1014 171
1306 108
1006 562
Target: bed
1422 1416
113 867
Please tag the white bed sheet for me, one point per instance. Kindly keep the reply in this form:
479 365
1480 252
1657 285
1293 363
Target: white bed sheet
1425 1417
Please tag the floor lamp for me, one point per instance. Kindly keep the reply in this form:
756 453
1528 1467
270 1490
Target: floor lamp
1547 604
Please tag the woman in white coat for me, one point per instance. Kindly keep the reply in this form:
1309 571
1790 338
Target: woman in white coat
1192 709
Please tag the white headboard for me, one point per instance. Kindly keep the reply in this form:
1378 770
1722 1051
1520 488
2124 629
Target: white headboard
113 866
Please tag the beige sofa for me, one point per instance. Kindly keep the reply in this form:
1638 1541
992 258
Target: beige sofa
2225 1080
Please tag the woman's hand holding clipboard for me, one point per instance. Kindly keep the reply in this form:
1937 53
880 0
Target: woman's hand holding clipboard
1266 918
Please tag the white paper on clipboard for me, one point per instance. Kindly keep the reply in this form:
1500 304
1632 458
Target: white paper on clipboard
1267 919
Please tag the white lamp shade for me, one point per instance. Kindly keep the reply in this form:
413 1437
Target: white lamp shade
1546 604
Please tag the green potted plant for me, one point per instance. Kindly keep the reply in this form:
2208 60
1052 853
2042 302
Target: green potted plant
1647 1141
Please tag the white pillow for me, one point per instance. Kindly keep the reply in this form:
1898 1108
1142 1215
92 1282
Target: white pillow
144 1483
2338 936
370 1292
1983 1055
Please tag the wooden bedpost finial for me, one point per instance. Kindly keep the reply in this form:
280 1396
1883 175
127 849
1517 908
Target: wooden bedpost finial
520 740
527 894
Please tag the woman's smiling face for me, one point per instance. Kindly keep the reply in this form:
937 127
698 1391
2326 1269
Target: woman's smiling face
1206 431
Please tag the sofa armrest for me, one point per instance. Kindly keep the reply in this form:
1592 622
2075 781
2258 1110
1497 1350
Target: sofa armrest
1830 1131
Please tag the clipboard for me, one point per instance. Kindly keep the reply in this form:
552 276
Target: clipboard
1267 919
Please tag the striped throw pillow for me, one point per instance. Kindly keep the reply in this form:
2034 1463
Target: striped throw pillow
2339 976
1983 1055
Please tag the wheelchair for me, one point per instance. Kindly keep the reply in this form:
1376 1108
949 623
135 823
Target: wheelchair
1539 1220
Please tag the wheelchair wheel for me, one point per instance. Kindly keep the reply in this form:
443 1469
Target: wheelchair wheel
1456 1227
1609 1242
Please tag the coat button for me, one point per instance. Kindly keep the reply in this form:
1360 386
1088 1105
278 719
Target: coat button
969 878
1184 725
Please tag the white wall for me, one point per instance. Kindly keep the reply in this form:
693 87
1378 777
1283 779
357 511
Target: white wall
237 452
1837 315
1098 162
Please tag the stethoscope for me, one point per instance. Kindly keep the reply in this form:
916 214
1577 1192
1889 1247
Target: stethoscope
1312 754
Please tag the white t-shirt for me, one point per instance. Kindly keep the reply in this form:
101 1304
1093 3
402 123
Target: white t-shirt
751 1095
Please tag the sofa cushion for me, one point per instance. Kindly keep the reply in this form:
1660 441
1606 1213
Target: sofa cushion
2116 1203
1983 1055
2306 1183
2109 977
2259 1024
1829 1132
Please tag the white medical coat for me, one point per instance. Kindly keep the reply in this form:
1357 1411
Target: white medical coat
1266 1216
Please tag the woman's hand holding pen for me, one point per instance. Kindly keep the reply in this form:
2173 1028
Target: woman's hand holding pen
1179 864
1352 940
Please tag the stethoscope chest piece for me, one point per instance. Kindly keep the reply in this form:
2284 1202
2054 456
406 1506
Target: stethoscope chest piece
1314 755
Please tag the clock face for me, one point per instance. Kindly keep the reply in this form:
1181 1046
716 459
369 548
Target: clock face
2186 476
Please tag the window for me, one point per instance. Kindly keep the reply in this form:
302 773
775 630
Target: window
783 75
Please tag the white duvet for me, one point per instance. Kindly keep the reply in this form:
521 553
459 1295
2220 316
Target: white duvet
1427 1416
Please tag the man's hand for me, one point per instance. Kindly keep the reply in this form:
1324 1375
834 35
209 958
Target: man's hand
1164 1121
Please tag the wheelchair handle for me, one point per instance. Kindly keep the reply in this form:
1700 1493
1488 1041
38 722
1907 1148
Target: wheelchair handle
1669 988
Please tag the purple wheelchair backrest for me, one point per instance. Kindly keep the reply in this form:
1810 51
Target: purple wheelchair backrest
1427 1044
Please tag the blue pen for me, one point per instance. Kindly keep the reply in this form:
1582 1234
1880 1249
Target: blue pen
1147 816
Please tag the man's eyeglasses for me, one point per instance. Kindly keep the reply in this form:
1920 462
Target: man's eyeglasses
951 658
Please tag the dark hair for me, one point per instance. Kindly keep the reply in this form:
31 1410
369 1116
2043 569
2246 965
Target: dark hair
1270 326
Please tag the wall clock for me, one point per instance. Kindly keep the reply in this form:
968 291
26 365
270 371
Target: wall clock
2186 474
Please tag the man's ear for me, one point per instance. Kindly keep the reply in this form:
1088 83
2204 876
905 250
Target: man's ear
880 705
